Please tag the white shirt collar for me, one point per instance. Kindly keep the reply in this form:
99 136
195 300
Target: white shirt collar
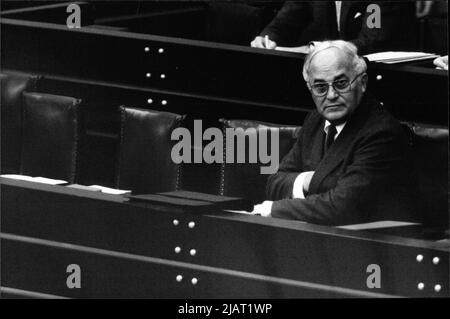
339 128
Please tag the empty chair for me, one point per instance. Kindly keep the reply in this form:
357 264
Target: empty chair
50 136
12 86
245 179
430 162
145 165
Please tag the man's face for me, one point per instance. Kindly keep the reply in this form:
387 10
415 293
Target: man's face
332 65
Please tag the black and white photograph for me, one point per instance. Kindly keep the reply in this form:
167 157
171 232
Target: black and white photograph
224 155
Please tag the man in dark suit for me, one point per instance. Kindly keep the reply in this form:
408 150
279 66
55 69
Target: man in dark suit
350 163
300 22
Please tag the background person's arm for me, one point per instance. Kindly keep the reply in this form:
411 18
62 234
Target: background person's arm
392 35
288 23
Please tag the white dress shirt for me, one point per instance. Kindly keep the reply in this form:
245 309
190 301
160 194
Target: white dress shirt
297 190
338 14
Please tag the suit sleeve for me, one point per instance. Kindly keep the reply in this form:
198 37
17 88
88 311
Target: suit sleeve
281 184
289 21
392 17
374 165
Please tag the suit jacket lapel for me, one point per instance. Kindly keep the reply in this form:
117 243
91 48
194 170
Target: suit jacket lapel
339 147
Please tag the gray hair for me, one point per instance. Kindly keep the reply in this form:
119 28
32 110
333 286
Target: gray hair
357 62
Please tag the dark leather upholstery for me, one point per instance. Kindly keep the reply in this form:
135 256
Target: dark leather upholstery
245 179
12 86
145 165
430 160
50 136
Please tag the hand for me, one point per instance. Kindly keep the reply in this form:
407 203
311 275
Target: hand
264 209
441 62
308 176
261 42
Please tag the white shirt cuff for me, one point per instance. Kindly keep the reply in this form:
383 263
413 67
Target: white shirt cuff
297 190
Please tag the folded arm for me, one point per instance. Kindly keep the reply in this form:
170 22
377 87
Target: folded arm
374 166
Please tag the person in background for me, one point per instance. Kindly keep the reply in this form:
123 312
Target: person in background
300 22
432 26
350 163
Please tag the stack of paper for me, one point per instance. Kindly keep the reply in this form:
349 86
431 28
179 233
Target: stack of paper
391 57
112 191
42 180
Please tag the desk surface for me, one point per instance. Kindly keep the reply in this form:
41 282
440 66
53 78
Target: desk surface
135 251
245 76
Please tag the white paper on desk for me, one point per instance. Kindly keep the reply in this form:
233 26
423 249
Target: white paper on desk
241 212
111 191
49 181
18 177
399 56
42 180
378 224
409 60
302 49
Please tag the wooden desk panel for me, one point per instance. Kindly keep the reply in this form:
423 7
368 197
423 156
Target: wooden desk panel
292 259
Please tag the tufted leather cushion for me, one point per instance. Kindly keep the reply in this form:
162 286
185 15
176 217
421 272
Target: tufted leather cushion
245 179
430 160
50 135
145 164
12 86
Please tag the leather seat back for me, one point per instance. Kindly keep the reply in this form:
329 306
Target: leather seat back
430 162
12 86
145 165
245 179
50 136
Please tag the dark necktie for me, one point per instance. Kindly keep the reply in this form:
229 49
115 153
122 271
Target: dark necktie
330 137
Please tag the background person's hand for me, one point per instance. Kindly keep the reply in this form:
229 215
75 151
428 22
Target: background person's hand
260 42
441 62
264 209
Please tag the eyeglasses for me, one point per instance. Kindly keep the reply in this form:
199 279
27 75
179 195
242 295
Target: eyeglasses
340 86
